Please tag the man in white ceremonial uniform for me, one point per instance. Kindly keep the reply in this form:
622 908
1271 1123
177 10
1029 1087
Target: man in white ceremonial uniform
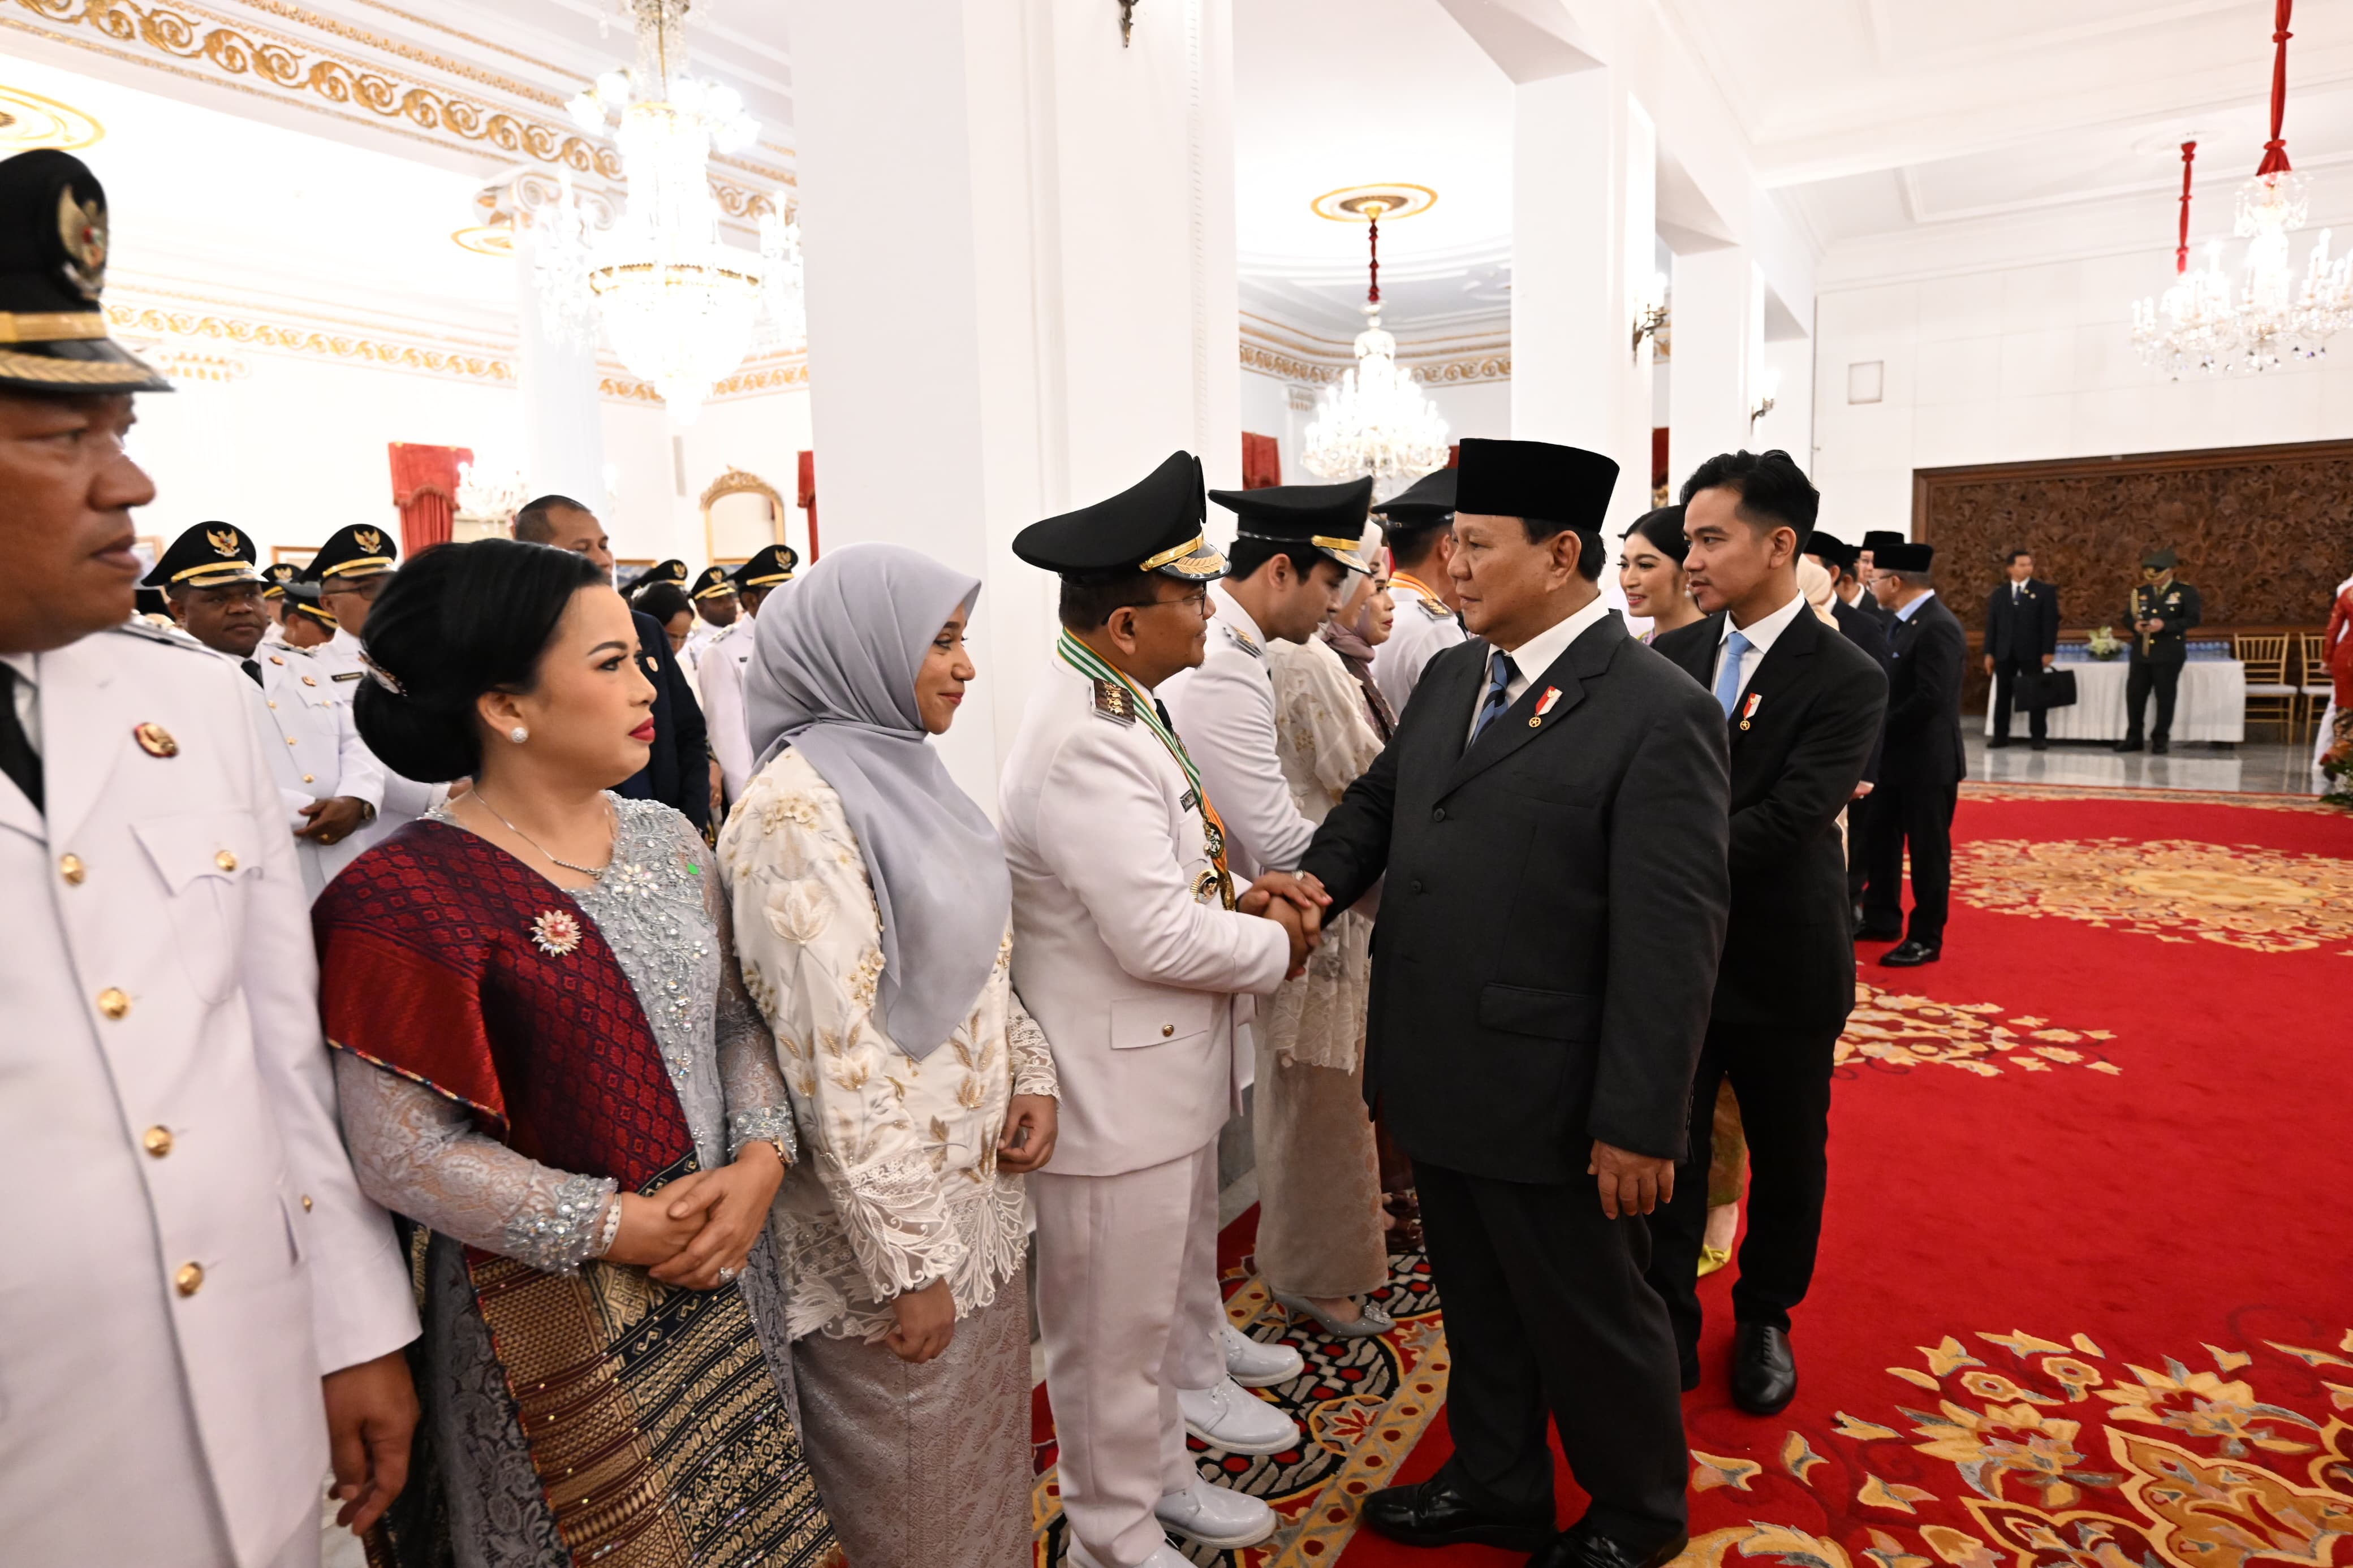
716 607
351 569
330 783
1418 525
1129 950
202 1312
720 672
275 577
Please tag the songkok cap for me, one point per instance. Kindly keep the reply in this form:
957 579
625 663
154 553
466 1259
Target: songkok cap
204 556
1904 556
53 335
1329 517
2161 560
1834 553
280 576
360 550
671 571
1564 485
1878 539
1154 525
302 598
770 564
1429 500
712 583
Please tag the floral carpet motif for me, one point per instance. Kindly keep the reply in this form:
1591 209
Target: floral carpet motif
2246 799
2176 889
2062 1455
1896 1033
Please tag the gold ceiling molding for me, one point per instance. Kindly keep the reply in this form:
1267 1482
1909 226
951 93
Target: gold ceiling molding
344 30
1275 362
1273 349
187 324
29 120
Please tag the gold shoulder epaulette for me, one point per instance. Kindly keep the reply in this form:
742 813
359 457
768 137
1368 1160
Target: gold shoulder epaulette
1114 702
1435 609
1241 640
145 633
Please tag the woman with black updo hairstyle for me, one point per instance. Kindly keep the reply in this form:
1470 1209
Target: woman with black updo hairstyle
1650 571
548 1067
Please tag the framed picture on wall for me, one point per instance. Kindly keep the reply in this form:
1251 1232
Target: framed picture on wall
628 569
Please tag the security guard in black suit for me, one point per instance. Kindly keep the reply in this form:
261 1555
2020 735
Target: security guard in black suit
1920 775
2163 610
1552 819
2021 637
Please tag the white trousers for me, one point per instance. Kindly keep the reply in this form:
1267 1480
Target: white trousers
1129 1312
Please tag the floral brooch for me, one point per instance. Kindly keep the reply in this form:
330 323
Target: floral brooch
557 932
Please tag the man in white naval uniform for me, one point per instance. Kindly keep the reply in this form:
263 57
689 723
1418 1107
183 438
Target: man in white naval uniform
1130 953
719 673
351 569
716 607
330 783
1417 524
203 1308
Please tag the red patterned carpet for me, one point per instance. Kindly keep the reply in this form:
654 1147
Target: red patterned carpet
2085 1297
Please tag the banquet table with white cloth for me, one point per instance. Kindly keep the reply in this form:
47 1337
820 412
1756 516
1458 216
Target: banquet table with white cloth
2211 704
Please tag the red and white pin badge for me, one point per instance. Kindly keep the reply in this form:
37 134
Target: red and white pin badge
1749 710
1543 704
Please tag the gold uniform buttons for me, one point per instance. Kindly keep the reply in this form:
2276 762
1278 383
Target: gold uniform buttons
306 778
289 739
306 1203
156 1140
188 1278
273 707
69 867
225 860
114 1002
1166 1030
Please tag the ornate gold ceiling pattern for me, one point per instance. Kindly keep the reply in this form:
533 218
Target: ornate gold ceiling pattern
29 120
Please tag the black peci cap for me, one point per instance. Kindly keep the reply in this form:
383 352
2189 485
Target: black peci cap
1878 539
1154 525
1835 552
53 335
712 581
1330 518
1429 500
206 556
770 564
1565 485
360 550
1904 556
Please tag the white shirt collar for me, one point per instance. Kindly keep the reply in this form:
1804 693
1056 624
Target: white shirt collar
1855 601
1536 656
1766 629
1906 612
342 641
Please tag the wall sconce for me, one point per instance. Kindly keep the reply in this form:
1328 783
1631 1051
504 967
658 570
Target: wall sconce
1765 404
1126 20
1650 314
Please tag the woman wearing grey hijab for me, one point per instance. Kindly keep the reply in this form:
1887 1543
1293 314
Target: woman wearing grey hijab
872 910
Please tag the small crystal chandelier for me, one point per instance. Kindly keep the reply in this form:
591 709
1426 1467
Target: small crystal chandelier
680 305
490 497
2193 327
1376 419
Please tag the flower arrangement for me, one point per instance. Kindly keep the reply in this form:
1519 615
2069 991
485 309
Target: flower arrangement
2103 644
2336 763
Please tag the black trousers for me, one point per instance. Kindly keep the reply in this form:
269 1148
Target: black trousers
1782 1079
2144 674
1920 816
1547 1311
1858 845
2006 674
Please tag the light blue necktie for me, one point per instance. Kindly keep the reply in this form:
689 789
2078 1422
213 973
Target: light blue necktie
1727 680
1498 683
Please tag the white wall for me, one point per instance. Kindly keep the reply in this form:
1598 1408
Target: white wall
2016 364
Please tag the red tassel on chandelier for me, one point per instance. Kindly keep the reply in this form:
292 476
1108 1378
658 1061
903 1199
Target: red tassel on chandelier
2275 150
2181 251
1373 229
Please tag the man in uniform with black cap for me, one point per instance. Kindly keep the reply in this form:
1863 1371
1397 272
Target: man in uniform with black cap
1552 819
201 1305
716 608
330 780
308 625
2162 612
1920 768
721 667
1416 525
275 579
351 569
1131 952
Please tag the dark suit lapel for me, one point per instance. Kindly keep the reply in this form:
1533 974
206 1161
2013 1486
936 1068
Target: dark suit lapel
1515 726
1695 655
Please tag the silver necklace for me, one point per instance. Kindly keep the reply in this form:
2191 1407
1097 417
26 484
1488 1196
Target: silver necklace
535 843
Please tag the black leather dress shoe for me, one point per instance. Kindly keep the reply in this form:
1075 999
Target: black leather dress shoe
1911 954
1763 1372
1433 1513
1581 1548
2040 744
1878 934
2127 745
1996 742
2158 748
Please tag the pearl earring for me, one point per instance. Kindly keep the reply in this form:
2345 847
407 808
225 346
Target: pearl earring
518 734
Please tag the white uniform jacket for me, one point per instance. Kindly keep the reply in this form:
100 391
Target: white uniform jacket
719 676
703 634
1132 972
315 753
1225 715
340 671
1423 629
200 1252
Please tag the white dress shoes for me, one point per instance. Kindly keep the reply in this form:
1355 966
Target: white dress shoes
1216 1517
1256 1365
1225 1416
1163 1556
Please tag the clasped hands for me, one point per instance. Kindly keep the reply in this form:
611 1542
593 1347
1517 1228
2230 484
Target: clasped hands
697 1232
1294 900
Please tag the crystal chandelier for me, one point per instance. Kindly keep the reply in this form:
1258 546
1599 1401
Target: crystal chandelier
1376 419
680 304
490 497
2193 327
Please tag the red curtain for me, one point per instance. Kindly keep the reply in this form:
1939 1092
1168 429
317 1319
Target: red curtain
424 489
1658 456
1262 462
808 498
1454 456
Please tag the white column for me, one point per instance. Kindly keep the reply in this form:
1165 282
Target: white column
563 425
1718 334
1022 289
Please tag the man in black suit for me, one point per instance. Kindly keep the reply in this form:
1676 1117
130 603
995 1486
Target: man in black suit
1920 776
1867 571
1802 707
1552 819
1868 631
2022 638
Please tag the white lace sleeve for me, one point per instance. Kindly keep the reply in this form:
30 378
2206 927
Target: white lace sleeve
1032 1058
758 1109
420 1155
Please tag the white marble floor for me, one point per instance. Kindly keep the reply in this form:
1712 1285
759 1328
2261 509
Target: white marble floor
2266 766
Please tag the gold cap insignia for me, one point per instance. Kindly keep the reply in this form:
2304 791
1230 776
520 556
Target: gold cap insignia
155 740
83 230
368 539
223 539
